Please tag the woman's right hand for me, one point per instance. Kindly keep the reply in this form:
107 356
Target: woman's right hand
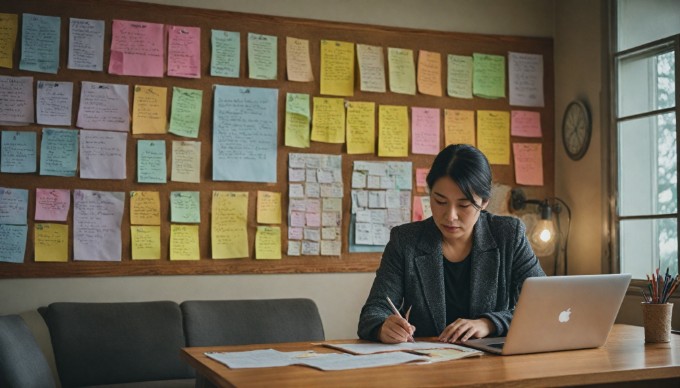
395 330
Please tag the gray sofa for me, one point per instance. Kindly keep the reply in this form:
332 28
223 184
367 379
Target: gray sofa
138 344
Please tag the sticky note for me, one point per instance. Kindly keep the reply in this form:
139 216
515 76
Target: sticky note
18 152
371 68
16 100
493 135
59 152
459 81
262 56
53 103
488 75
430 73
102 155
94 96
268 207
137 48
392 131
8 36
13 243
186 161
13 206
268 243
52 204
145 208
229 233
185 207
146 242
184 51
298 63
360 127
421 180
328 121
51 242
149 110
425 131
185 117
151 162
528 163
184 242
297 120
402 70
97 217
337 68
226 53
525 72
40 37
525 123
86 44
459 127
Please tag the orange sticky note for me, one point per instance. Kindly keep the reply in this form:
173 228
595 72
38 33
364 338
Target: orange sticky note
149 112
430 73
459 127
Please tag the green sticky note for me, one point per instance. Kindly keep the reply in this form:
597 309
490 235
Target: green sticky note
488 75
297 120
185 118
151 164
262 56
226 54
185 207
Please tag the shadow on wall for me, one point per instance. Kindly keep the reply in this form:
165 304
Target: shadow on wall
631 311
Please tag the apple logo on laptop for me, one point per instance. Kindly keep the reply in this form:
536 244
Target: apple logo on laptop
564 315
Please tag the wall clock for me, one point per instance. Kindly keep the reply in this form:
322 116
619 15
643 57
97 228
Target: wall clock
576 129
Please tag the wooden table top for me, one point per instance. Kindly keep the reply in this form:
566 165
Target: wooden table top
625 357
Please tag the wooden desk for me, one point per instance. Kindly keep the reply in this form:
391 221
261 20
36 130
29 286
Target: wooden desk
625 357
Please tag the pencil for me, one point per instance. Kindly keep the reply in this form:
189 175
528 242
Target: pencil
397 313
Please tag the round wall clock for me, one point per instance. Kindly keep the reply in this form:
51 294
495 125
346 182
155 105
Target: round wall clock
576 129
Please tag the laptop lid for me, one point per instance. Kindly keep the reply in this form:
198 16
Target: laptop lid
561 313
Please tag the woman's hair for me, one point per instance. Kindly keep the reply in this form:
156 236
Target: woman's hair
467 167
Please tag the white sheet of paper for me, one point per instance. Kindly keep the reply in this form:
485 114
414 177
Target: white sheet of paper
16 100
97 217
104 106
525 79
86 44
102 155
54 102
377 347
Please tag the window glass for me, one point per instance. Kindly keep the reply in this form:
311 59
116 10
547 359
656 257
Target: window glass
646 83
644 21
647 245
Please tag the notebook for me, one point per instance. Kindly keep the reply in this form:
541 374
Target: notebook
560 313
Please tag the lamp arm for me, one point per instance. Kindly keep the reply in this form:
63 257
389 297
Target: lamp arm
566 238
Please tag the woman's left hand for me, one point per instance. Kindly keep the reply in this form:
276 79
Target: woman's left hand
464 329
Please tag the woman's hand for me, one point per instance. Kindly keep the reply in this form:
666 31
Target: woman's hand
464 329
395 330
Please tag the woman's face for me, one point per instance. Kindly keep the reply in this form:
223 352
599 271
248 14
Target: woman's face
454 214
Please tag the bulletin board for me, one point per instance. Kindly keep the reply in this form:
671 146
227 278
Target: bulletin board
282 27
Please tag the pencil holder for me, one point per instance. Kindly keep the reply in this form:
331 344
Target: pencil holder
657 321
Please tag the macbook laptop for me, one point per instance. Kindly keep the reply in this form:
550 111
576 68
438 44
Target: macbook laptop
560 313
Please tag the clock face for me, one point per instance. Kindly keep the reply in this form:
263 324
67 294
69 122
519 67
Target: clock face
576 130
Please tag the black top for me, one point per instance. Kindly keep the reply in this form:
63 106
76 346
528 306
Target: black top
457 289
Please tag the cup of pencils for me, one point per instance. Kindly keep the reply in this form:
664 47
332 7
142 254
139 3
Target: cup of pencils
656 311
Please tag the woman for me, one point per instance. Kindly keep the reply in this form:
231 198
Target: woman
460 271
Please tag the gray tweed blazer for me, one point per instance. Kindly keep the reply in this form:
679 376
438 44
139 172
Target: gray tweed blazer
412 271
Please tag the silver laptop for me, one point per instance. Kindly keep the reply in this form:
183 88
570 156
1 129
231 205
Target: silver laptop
560 313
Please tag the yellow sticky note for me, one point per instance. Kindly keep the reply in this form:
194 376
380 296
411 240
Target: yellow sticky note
459 127
337 68
268 243
184 243
268 207
186 161
146 242
8 38
360 127
393 130
51 242
430 73
229 233
145 208
328 120
402 70
149 112
493 135
298 64
297 120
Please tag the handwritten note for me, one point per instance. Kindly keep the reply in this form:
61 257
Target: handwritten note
488 75
146 242
459 83
149 110
184 243
526 123
268 207
245 128
13 206
51 242
137 48
8 37
493 135
40 43
392 131
526 79
13 243
328 121
421 180
430 73
54 102
298 64
102 155
226 54
18 152
337 68
97 218
402 71
145 208
104 106
459 127
371 68
184 52
421 208
268 243
426 131
186 161
151 162
59 152
52 204
16 100
86 44
262 56
528 163
185 119
297 120
229 233
360 127
185 206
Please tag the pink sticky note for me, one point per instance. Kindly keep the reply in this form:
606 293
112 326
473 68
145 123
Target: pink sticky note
137 48
297 219
421 180
295 233
313 219
52 204
184 52
525 123
425 131
528 163
417 209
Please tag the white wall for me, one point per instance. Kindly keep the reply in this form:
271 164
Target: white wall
339 296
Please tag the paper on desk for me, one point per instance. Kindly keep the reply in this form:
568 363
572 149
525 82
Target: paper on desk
335 361
376 347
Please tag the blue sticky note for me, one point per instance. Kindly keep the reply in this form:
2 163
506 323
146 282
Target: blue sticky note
40 43
18 152
13 206
13 243
244 134
59 152
151 164
354 248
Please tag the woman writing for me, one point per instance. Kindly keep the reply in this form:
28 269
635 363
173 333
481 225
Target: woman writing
460 271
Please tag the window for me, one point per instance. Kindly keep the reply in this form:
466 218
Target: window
645 52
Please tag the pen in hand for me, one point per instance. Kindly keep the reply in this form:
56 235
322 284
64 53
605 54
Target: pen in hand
396 312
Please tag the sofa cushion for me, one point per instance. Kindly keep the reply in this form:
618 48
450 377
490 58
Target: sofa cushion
114 343
239 322
22 364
